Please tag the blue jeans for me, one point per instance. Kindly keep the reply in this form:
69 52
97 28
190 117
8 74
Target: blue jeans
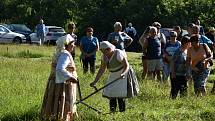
166 71
200 79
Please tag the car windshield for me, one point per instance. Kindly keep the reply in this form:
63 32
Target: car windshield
20 27
56 30
2 29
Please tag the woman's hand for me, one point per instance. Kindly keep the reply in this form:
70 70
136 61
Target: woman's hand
73 80
93 84
122 75
115 41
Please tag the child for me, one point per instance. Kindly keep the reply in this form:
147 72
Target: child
180 70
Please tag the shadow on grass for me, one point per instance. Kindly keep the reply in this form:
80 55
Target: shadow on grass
23 54
31 115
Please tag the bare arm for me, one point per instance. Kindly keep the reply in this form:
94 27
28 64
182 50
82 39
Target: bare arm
142 39
81 48
99 74
188 66
145 45
208 52
188 59
129 41
127 38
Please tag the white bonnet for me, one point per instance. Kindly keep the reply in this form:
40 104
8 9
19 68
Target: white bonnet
61 42
105 45
64 40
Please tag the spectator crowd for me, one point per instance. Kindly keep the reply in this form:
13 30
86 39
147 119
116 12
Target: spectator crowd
179 58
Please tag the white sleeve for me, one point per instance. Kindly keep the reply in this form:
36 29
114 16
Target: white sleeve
163 38
134 30
126 30
120 55
61 73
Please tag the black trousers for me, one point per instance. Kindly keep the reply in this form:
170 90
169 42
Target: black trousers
89 61
113 104
178 84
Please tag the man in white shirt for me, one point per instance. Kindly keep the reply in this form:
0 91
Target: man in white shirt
130 30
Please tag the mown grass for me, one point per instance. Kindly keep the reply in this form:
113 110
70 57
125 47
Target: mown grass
23 79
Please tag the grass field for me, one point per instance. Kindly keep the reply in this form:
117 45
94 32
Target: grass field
24 70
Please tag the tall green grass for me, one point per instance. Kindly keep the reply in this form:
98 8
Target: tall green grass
23 78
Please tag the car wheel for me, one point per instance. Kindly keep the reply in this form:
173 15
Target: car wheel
17 40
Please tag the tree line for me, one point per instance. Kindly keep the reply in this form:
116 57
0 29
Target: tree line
102 14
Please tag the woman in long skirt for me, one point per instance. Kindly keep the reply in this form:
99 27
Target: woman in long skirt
116 62
60 94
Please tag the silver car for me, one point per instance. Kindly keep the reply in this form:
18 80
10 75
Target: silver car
7 36
52 33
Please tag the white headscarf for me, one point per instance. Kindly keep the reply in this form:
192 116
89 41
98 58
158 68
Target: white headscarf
61 42
106 44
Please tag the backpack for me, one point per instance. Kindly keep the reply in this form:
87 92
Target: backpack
210 45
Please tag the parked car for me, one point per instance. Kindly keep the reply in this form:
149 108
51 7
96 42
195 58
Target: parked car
166 32
7 36
20 28
52 33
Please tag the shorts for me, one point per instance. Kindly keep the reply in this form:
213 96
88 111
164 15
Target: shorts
200 79
155 64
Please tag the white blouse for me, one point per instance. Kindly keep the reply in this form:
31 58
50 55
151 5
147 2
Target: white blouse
120 55
64 62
